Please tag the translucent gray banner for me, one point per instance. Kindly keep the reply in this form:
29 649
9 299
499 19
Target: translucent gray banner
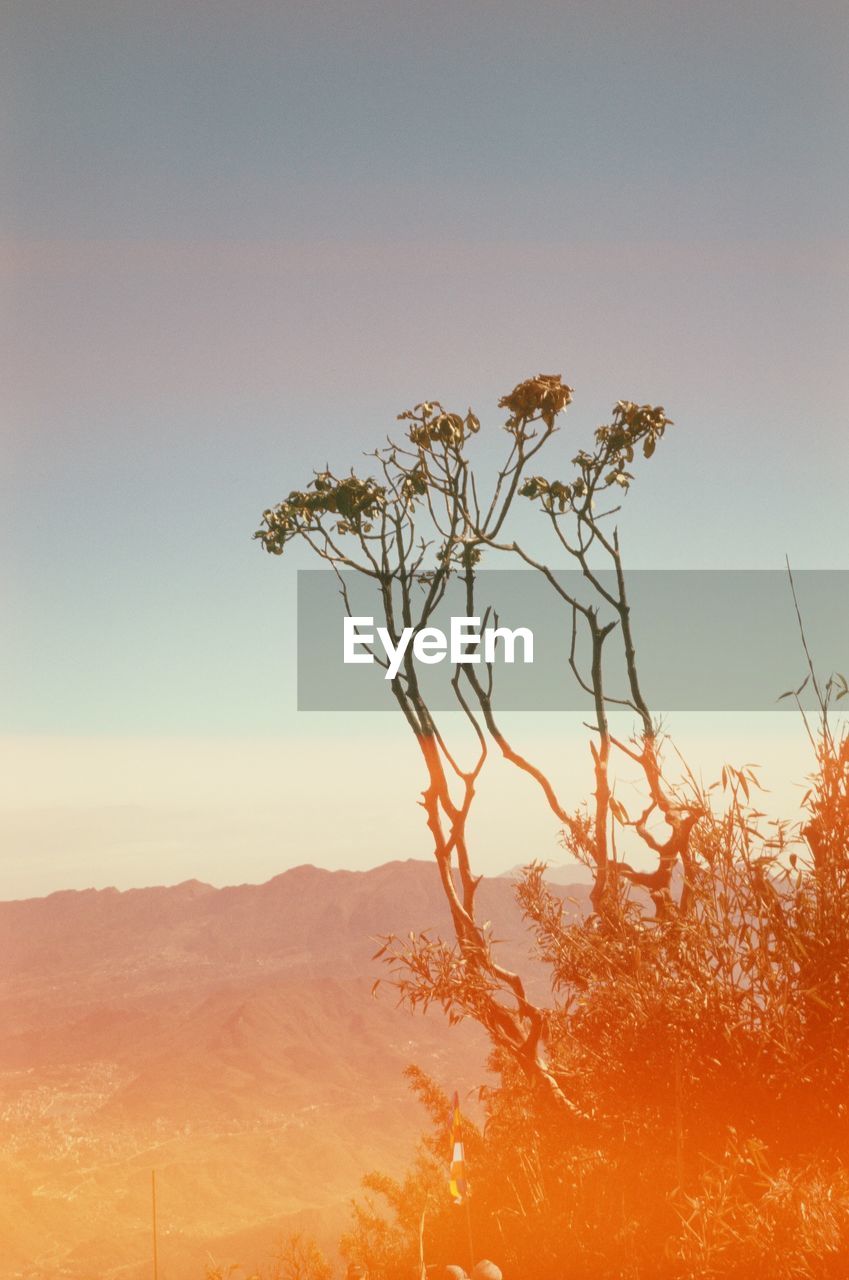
706 640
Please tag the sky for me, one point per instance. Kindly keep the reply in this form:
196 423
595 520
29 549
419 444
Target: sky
236 241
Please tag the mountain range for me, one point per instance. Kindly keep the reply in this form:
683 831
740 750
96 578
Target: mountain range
227 1039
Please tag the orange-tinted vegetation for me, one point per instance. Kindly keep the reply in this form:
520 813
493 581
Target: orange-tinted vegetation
674 1104
704 1059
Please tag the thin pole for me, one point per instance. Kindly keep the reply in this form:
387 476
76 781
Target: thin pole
472 1258
153 1205
422 1267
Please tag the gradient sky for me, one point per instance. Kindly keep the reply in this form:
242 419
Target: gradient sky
237 240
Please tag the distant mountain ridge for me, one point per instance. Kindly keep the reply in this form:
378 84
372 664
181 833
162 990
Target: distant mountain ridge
304 912
216 1034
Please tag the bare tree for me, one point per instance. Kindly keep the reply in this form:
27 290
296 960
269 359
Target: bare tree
424 517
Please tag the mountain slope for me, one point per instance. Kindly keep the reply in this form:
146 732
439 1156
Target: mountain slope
226 1037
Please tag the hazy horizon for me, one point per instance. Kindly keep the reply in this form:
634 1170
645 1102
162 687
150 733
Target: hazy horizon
96 812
